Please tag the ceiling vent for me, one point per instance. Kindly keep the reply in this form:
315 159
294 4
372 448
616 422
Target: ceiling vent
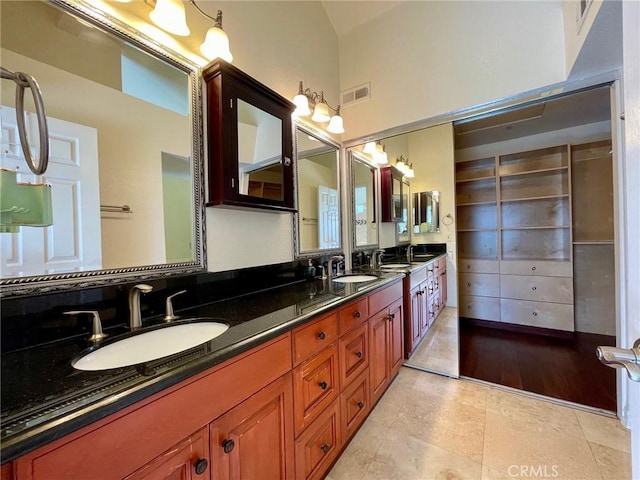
358 94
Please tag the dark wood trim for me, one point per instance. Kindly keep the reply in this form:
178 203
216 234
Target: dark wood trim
512 327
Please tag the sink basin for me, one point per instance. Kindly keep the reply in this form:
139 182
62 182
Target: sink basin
150 345
355 278
395 265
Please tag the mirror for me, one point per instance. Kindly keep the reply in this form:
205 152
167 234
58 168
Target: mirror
363 194
426 212
404 236
260 171
124 167
318 218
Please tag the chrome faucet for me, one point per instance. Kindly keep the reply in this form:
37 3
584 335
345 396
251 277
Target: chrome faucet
409 253
335 258
376 258
135 318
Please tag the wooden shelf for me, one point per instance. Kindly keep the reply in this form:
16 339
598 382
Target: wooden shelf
534 172
537 227
476 230
596 242
469 180
490 202
527 199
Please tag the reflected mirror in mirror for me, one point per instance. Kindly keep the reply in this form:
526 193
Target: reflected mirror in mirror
318 193
260 171
363 177
404 236
426 212
123 159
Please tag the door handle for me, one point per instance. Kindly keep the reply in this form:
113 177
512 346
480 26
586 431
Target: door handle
628 358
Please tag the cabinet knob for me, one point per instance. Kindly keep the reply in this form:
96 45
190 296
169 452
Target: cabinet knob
357 314
469 307
227 445
324 448
322 335
323 385
533 269
360 404
468 266
534 288
359 354
468 284
535 314
200 466
391 316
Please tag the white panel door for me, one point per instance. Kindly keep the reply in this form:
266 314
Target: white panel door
328 218
73 242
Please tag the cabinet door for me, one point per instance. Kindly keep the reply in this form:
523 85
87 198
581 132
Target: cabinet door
426 290
415 318
354 354
396 339
443 289
379 349
189 460
255 439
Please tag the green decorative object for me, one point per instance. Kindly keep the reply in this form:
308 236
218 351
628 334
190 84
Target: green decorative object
23 204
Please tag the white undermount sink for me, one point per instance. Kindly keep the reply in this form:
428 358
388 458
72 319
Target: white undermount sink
355 278
150 345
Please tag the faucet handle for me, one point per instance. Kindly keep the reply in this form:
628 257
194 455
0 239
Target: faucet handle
97 334
169 306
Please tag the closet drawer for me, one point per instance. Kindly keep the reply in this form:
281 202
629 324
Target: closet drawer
539 289
537 314
478 266
481 284
533 267
482 308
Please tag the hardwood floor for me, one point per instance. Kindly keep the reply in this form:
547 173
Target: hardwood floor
564 368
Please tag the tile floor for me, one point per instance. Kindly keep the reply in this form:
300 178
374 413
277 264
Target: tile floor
429 426
438 352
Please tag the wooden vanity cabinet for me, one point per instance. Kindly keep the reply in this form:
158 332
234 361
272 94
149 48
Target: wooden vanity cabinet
261 428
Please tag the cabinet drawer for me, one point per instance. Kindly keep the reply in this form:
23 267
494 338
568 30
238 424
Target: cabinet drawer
417 276
536 288
532 267
537 314
354 405
354 353
479 266
315 385
313 337
480 284
319 445
383 298
482 308
353 314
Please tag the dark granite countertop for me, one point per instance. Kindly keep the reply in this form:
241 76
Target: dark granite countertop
45 398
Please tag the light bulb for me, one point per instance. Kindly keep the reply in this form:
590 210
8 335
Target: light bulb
216 45
302 105
380 156
169 15
321 113
336 125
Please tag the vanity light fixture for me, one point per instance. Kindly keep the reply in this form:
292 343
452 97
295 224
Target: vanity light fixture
380 155
170 16
369 147
410 173
321 108
401 164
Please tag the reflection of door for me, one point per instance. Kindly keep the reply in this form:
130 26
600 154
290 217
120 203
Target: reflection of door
73 242
328 218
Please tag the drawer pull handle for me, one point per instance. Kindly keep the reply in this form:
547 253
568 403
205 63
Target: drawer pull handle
357 314
391 317
228 445
469 307
359 354
323 385
324 448
468 266
200 466
360 405
533 269
535 314
322 335
534 288
468 284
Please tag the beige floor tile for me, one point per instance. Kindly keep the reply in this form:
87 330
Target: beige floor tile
613 464
451 425
513 448
359 454
403 457
462 391
604 431
490 474
536 415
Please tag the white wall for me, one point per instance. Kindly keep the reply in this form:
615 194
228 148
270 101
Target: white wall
575 34
429 58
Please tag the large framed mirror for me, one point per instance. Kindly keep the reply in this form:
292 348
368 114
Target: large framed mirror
318 221
363 201
125 164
